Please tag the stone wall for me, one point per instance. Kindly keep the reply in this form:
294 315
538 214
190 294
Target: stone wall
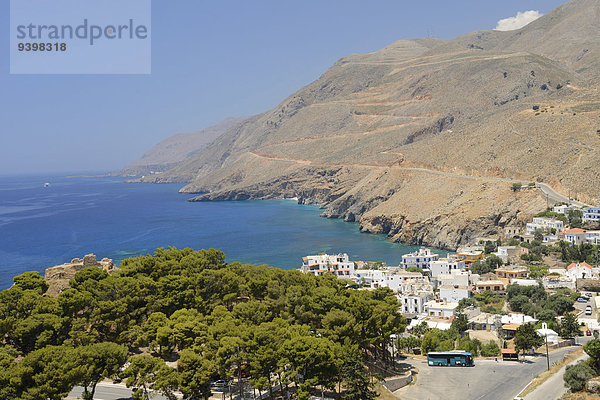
58 276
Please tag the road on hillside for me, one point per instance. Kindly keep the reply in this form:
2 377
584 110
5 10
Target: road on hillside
546 190
487 380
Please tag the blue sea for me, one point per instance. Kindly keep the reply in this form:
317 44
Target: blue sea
45 226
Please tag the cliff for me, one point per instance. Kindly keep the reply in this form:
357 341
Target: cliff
423 139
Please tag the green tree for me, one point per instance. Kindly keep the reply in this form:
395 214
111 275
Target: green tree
194 374
526 338
518 302
47 373
569 328
357 383
141 375
429 342
577 375
460 323
408 343
490 349
466 302
490 247
31 280
592 348
96 362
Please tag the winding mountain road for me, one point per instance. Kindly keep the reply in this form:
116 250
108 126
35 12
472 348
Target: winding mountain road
544 188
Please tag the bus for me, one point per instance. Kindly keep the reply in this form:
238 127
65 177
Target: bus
450 359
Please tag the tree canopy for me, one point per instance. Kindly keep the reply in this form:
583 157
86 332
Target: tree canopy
211 316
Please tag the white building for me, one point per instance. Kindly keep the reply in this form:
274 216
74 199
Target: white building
517 318
458 277
541 223
386 278
562 209
445 266
548 334
339 265
559 282
592 237
440 309
507 252
575 236
591 214
414 303
419 259
580 271
524 282
453 294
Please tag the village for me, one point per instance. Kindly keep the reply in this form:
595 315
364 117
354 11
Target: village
545 275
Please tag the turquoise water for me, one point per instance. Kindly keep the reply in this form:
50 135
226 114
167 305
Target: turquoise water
45 226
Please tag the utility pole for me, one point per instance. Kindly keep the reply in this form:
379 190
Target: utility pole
545 328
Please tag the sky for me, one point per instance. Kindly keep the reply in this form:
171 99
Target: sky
211 59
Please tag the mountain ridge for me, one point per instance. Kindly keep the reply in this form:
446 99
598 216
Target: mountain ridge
358 139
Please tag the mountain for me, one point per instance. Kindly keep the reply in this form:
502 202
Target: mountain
173 150
424 139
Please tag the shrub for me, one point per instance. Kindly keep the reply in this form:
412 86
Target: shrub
577 375
490 350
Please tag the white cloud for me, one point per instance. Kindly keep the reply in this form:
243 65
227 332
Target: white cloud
522 19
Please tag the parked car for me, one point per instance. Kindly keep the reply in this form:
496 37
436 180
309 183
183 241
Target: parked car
582 300
588 310
219 383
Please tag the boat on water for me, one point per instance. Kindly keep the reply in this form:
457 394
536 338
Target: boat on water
47 184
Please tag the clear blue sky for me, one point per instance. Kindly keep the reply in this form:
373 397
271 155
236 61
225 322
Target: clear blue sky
210 60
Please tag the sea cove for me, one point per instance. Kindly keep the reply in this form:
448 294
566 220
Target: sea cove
44 226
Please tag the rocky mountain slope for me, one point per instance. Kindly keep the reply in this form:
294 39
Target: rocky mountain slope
423 139
173 150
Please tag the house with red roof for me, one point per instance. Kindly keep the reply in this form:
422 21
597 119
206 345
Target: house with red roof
575 236
580 271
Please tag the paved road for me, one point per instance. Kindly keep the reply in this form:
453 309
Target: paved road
553 388
107 391
552 194
488 380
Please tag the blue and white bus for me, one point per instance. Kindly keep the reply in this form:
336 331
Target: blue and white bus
450 359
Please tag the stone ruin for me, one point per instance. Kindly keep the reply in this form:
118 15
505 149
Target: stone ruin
58 276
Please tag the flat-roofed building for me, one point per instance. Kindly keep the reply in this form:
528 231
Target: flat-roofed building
494 286
507 274
339 265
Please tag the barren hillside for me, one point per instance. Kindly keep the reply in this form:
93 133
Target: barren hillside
423 139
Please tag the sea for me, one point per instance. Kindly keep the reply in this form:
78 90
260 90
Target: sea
49 220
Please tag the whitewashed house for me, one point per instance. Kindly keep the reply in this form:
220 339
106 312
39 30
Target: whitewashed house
318 265
541 223
414 302
458 277
445 266
592 237
440 309
580 271
562 209
548 334
575 236
591 214
420 259
508 252
454 294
